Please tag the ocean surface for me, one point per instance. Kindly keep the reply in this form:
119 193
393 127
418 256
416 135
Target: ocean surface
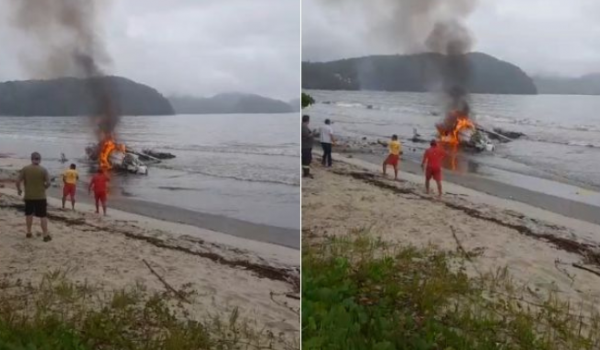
560 153
239 166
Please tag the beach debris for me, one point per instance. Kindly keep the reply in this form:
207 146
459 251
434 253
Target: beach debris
170 288
157 155
510 135
417 137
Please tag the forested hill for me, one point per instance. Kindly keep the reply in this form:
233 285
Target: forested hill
414 73
73 97
231 103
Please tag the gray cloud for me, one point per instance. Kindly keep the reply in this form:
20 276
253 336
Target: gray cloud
542 36
188 47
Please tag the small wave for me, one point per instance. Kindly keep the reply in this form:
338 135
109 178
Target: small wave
280 181
574 143
175 188
583 144
350 105
284 151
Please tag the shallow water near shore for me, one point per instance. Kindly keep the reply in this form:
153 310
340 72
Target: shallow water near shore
243 167
558 155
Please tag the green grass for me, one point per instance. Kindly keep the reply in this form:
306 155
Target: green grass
61 315
361 294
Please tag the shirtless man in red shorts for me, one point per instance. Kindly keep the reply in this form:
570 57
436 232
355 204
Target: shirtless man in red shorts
99 185
432 165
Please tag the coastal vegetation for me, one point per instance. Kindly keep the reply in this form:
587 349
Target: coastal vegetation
307 100
363 293
59 314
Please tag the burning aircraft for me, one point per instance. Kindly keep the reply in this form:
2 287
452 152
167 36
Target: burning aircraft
113 156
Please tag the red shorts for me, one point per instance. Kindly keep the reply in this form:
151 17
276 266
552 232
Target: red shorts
392 160
435 173
100 196
69 190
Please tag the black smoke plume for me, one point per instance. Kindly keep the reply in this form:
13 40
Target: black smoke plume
419 26
66 41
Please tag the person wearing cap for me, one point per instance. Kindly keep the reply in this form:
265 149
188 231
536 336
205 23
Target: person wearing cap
327 141
307 145
432 165
36 181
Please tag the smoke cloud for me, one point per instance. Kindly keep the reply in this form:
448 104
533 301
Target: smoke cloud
420 26
66 42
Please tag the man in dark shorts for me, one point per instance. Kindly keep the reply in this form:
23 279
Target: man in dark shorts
307 145
99 185
432 165
36 181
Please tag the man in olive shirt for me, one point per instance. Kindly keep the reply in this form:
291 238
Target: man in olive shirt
36 180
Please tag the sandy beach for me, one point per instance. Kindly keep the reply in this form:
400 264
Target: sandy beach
543 250
226 271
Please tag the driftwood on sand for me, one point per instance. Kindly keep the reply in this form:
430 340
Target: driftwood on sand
165 283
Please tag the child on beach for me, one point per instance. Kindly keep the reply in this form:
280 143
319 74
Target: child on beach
70 177
99 185
432 165
393 158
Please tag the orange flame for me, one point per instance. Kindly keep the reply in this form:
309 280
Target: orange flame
451 136
107 146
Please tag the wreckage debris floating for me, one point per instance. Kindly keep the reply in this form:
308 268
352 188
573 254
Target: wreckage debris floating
158 155
510 134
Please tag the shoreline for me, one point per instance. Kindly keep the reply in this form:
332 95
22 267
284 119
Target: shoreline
226 273
545 252
546 194
555 204
284 237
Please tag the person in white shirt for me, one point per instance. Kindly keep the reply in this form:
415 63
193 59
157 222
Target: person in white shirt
327 140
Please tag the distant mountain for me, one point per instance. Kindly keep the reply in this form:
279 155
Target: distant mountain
295 103
586 85
72 97
414 73
229 103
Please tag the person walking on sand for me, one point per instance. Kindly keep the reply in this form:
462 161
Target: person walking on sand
327 141
99 185
70 178
432 165
307 145
36 181
393 158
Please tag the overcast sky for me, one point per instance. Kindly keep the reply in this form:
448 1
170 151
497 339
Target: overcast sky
549 37
193 47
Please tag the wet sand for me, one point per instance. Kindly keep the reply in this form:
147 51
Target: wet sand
262 233
555 204
239 228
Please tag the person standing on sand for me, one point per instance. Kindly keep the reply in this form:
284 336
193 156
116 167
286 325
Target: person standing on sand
99 185
70 177
394 157
432 165
327 141
36 181
307 145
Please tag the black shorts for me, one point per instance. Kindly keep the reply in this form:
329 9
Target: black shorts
36 207
306 156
